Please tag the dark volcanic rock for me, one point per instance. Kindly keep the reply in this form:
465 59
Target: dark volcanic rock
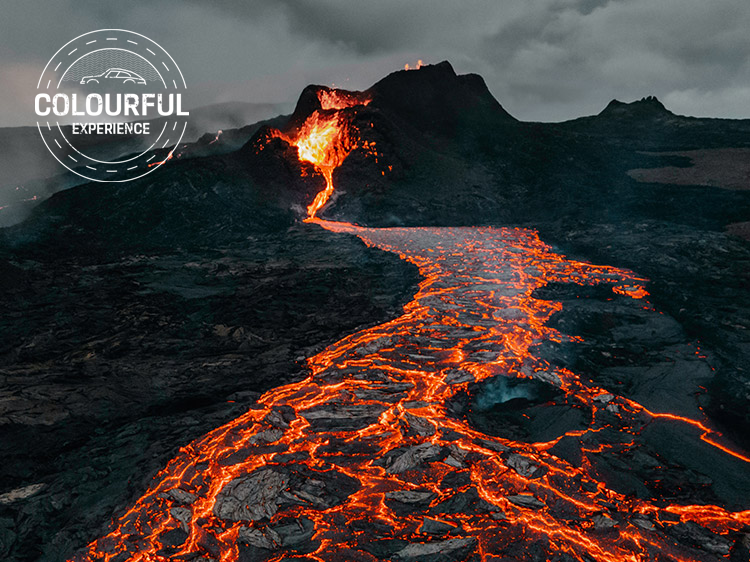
436 527
295 534
411 457
435 99
692 533
451 550
251 497
404 502
460 502
385 549
108 366
526 500
342 417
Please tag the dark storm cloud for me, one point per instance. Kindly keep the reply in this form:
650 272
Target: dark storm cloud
362 28
547 59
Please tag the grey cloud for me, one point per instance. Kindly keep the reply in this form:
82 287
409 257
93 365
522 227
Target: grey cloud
577 59
544 60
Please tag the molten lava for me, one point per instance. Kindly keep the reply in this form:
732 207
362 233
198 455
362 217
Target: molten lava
167 159
364 451
325 139
340 99
364 461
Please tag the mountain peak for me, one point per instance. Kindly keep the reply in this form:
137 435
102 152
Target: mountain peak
433 97
647 107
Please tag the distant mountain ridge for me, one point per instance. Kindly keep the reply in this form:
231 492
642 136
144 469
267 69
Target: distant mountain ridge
649 106
24 158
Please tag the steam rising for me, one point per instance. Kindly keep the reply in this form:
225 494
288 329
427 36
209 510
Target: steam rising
503 389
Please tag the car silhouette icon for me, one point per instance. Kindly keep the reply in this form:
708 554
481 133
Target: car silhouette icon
118 74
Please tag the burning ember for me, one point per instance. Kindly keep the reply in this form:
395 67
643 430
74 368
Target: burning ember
178 155
363 455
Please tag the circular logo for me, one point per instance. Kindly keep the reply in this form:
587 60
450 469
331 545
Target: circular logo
109 105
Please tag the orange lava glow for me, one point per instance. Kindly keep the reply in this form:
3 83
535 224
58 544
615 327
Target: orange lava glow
325 139
168 158
322 141
374 411
419 65
340 99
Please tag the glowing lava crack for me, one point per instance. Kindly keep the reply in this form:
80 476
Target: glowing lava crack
362 461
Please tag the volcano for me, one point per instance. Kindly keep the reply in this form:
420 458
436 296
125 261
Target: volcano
399 324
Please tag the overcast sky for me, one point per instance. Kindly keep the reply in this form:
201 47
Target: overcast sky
546 60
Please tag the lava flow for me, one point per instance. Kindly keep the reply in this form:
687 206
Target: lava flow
364 460
325 139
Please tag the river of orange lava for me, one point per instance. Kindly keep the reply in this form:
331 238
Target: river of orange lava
364 452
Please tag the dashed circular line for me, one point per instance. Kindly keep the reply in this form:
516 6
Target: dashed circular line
55 134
